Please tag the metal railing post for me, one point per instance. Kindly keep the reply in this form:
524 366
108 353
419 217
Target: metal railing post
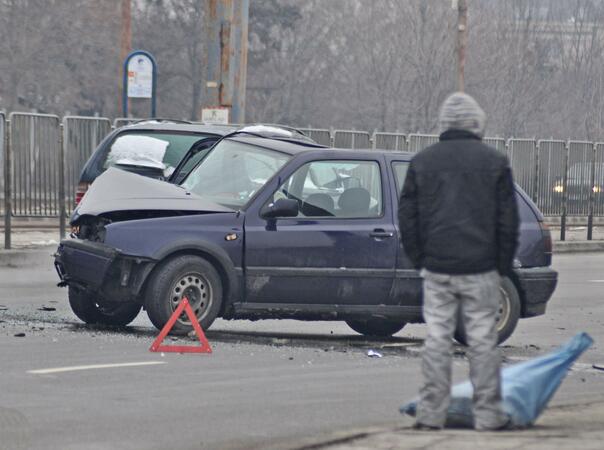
592 194
536 173
62 212
564 193
8 181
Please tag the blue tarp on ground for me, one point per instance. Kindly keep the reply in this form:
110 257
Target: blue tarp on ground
526 387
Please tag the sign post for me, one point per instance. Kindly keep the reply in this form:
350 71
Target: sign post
140 75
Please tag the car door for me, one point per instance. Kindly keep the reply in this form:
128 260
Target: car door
407 288
340 249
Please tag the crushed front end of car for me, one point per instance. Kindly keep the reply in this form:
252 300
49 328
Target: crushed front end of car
105 263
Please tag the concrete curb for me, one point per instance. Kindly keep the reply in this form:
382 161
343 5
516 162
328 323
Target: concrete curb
27 257
578 246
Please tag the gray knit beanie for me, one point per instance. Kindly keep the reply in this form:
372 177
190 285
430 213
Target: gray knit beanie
461 112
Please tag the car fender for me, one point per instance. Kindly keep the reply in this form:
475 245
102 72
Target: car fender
231 275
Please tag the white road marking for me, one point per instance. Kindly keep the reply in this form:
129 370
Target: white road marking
93 366
596 281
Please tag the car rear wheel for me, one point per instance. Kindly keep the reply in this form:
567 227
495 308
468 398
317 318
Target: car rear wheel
85 306
507 314
376 327
184 276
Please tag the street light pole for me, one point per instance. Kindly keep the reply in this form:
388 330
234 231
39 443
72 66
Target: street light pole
227 36
462 40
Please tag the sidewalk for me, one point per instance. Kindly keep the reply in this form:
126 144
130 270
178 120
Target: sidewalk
559 427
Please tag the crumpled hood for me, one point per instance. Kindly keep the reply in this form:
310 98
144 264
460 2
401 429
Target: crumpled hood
118 190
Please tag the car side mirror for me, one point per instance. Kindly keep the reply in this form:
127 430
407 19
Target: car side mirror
283 207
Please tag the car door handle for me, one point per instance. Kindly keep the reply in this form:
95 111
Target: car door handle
379 233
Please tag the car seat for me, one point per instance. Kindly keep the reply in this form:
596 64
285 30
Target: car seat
354 202
318 205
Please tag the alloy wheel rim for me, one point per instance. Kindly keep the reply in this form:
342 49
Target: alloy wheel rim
198 291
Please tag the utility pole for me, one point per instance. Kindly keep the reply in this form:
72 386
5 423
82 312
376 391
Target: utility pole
125 37
462 40
227 25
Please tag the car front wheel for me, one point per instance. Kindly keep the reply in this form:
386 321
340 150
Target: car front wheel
85 306
376 327
184 276
507 314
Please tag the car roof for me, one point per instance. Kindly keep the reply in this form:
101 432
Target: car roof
295 148
217 129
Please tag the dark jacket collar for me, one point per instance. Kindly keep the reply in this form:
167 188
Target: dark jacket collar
458 134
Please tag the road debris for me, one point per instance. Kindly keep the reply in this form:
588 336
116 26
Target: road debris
47 308
3 307
19 335
374 354
598 366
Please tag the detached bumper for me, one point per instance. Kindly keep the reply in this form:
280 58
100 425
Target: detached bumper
537 285
94 266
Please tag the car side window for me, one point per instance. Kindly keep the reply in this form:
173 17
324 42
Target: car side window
340 189
400 172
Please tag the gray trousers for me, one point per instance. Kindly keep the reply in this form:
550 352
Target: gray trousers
476 299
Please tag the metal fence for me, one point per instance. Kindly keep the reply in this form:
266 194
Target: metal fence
41 158
523 159
36 157
321 136
81 135
551 156
351 139
598 184
580 159
497 143
417 142
390 141
2 156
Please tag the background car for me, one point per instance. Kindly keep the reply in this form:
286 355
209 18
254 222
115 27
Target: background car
151 148
580 185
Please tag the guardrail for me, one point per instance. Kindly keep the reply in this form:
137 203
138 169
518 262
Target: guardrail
81 135
41 157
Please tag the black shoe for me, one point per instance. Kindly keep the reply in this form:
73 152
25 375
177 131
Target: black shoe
423 427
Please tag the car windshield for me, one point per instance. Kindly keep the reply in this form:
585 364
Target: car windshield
233 172
150 149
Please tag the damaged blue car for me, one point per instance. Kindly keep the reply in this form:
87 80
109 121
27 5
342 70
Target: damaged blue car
269 227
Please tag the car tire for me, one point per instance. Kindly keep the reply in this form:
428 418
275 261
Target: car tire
507 315
186 275
376 327
85 307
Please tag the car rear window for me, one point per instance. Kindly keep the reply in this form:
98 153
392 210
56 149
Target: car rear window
151 149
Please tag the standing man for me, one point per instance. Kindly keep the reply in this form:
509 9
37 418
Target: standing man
459 224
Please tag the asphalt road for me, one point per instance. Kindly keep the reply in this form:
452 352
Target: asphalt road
266 383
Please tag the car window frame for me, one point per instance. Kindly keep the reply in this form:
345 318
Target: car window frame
382 173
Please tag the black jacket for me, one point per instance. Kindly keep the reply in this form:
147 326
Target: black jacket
458 211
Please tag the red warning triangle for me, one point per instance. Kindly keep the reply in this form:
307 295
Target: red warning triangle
203 348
